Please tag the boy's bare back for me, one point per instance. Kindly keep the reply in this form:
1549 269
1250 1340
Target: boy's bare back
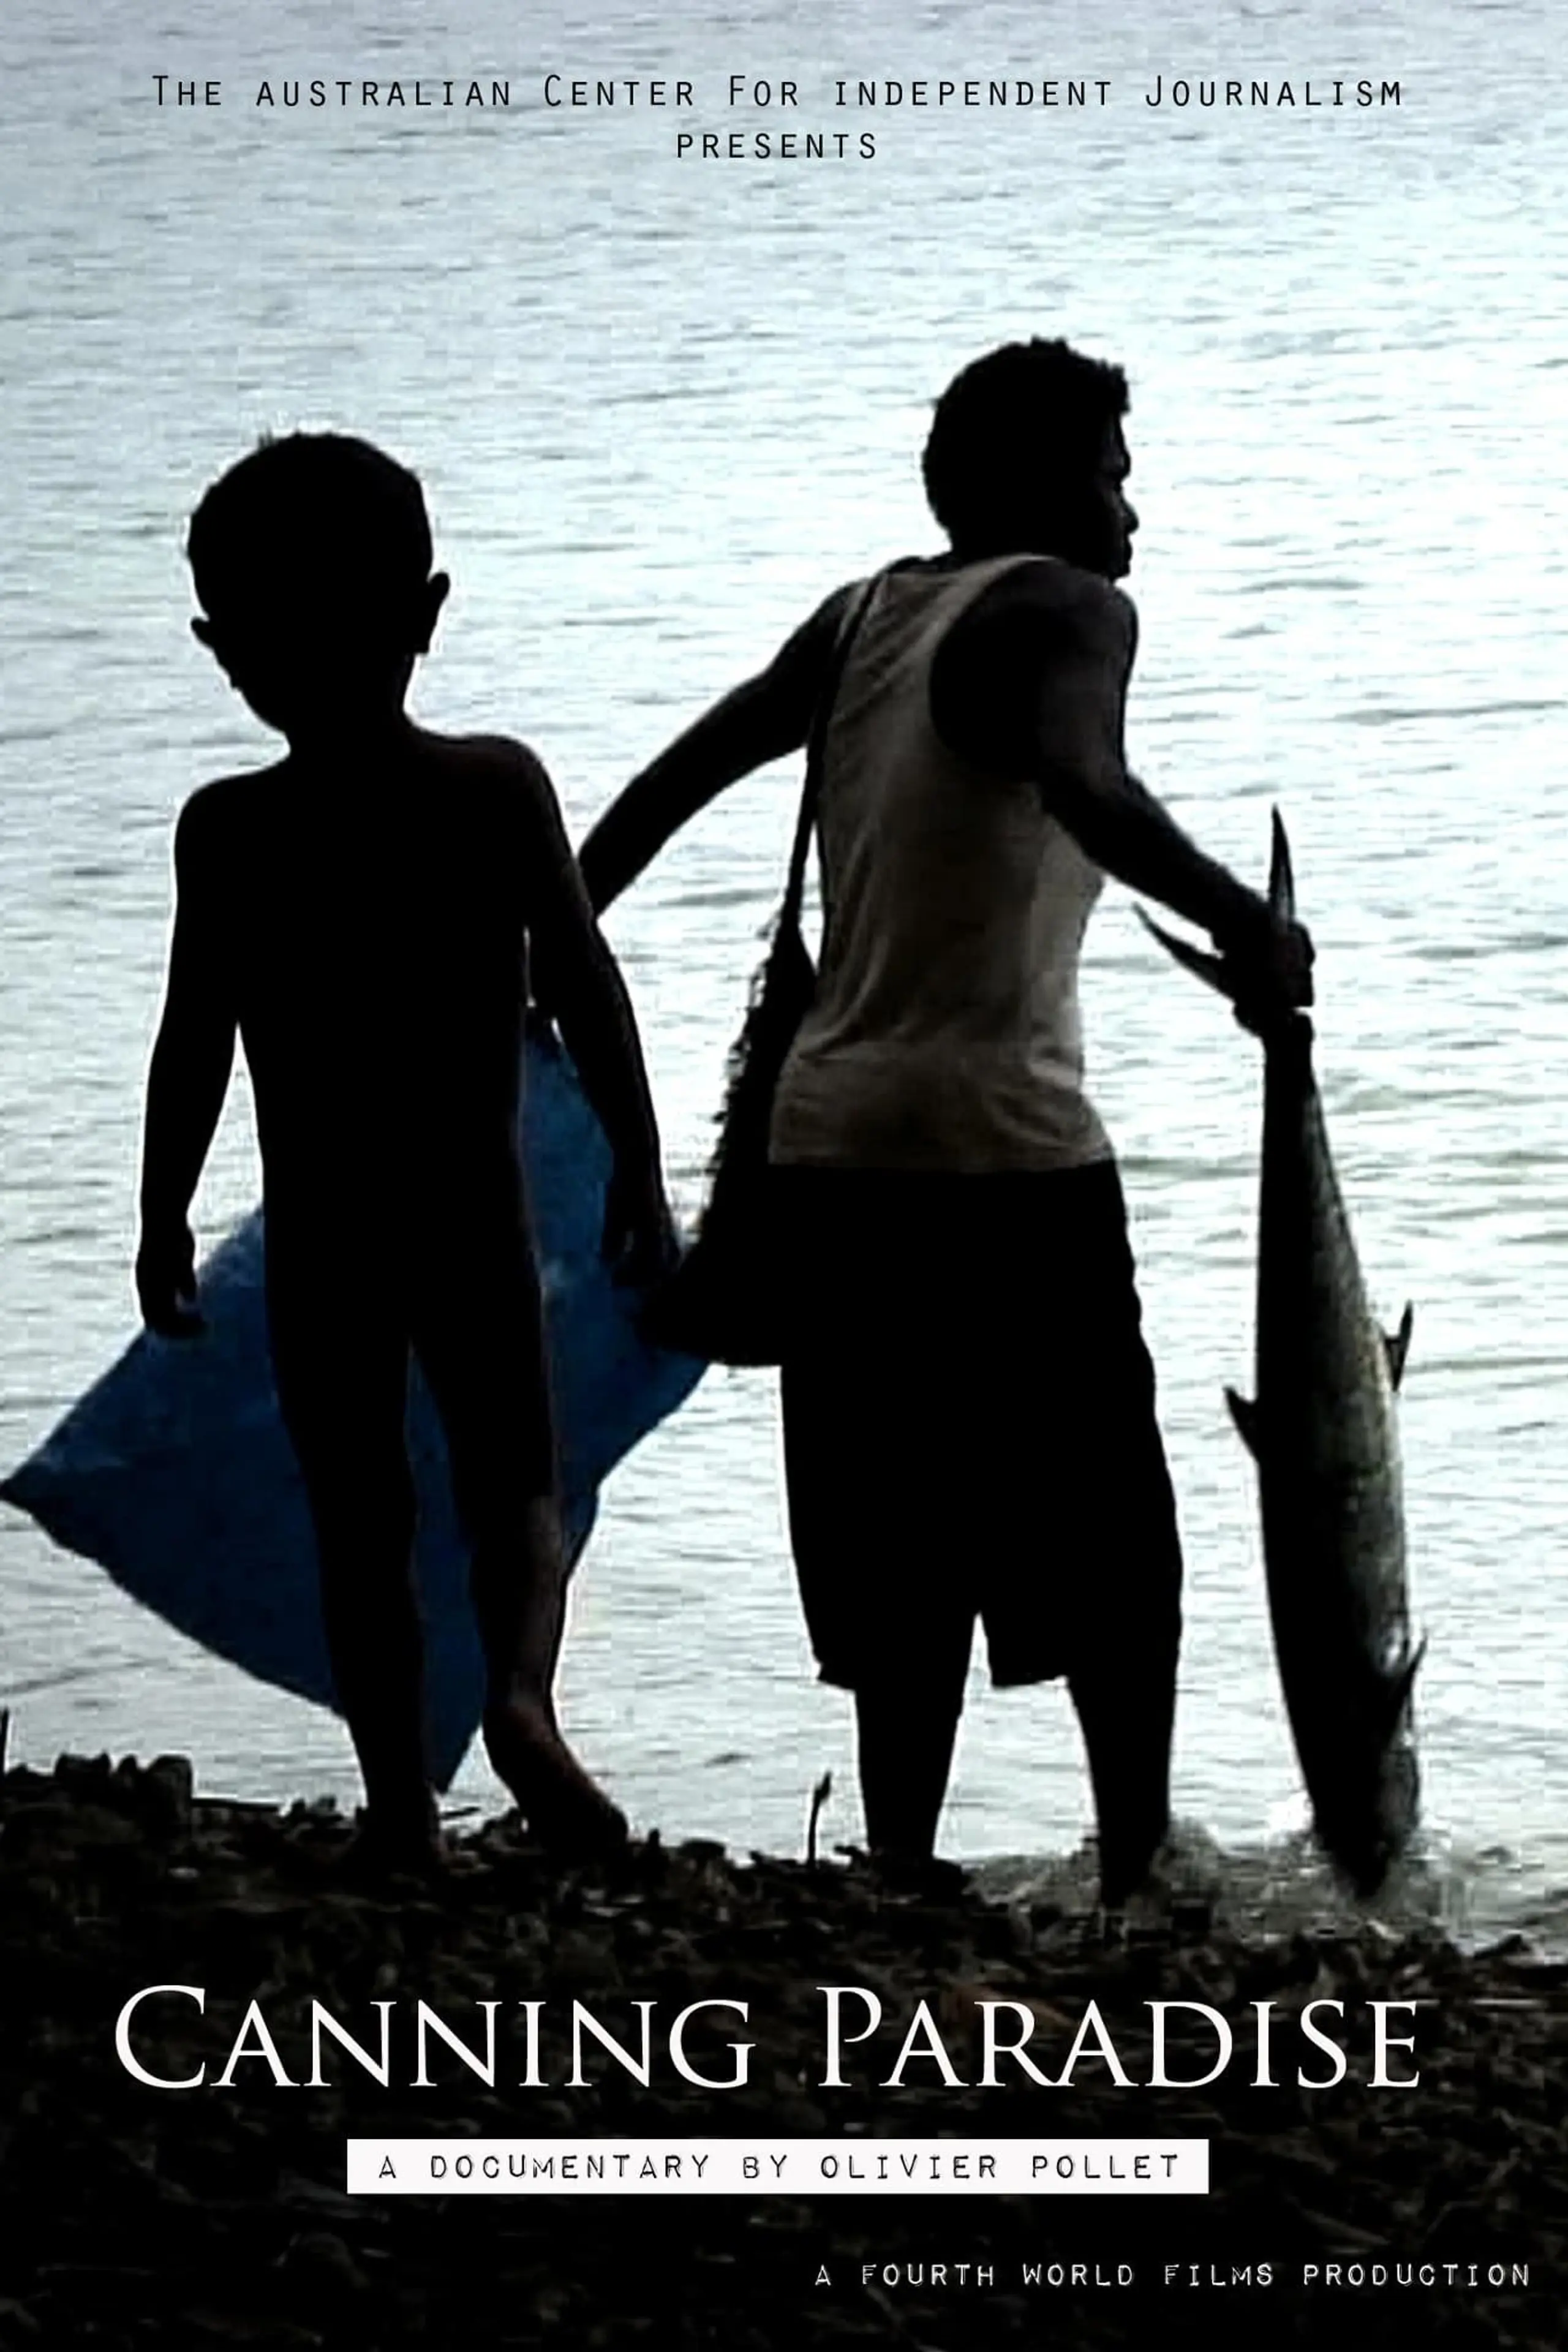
367 930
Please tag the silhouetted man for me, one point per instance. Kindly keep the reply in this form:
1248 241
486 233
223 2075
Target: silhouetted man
968 1403
363 914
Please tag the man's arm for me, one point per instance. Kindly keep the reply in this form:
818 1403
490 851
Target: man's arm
186 1082
1032 683
759 721
578 978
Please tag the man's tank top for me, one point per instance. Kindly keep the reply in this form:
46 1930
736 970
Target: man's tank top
944 1033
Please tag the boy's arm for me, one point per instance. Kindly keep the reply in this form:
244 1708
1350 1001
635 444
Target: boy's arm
579 981
1035 686
186 1082
758 720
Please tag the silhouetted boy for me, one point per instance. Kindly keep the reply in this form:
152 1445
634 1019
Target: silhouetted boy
363 913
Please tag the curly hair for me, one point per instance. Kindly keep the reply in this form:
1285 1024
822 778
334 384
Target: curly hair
1025 412
322 511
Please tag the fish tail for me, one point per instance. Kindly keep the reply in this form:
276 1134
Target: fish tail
1218 973
1281 881
1209 968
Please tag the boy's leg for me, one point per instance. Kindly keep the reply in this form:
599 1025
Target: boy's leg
342 1374
481 1346
519 1575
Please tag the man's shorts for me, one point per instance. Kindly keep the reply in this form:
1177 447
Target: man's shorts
969 1425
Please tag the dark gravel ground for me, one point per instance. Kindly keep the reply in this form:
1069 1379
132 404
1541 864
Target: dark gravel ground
132 2217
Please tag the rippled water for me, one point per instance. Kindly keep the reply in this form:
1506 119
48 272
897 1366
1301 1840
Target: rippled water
661 405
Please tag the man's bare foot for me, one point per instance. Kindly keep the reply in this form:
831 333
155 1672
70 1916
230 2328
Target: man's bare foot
563 1808
904 1871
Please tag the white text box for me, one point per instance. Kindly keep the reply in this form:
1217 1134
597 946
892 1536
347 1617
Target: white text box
779 2167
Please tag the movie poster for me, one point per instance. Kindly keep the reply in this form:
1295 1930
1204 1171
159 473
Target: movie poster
658 310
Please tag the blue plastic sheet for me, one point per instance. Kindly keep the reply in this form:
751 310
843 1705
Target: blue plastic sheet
175 1474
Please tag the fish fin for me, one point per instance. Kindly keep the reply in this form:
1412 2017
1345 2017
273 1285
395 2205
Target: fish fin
1207 967
1244 1412
1397 1344
1281 881
1397 1685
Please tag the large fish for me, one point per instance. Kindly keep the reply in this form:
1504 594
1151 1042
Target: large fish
1322 1430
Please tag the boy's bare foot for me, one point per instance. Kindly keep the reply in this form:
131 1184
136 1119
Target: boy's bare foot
397 1840
564 1809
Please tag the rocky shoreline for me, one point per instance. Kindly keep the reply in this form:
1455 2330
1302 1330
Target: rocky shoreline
138 2215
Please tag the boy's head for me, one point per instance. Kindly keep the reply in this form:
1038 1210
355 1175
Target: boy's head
1025 455
311 560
